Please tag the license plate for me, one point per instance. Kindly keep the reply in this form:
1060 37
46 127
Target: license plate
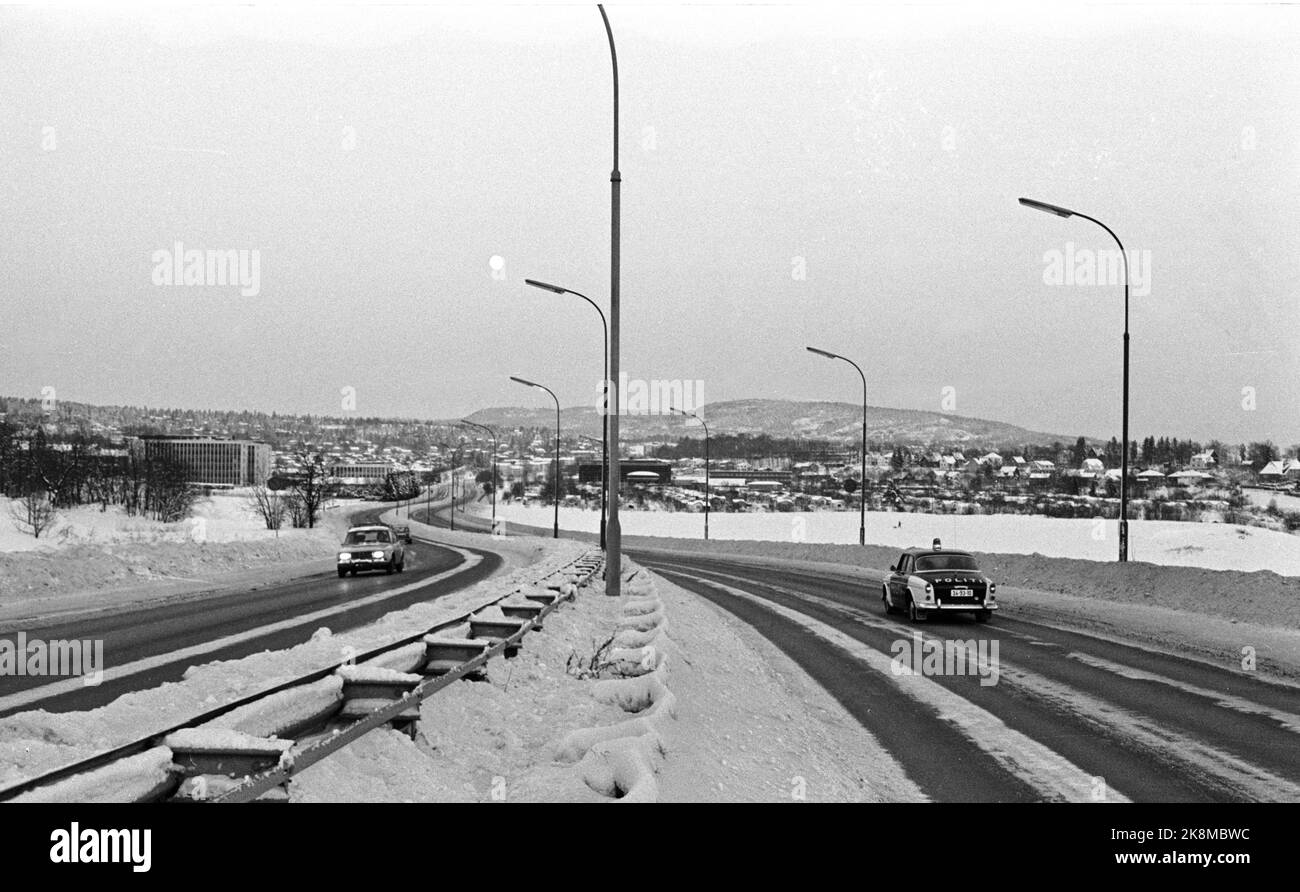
961 593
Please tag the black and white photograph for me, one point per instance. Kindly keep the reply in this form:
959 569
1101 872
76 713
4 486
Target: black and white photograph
405 406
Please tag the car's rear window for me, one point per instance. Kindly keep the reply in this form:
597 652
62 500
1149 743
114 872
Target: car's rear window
945 562
367 537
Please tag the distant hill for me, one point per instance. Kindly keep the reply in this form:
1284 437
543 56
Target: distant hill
776 418
787 418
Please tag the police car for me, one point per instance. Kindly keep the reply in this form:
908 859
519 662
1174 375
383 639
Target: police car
938 580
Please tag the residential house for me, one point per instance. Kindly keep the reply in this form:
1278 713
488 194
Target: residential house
1092 467
1273 472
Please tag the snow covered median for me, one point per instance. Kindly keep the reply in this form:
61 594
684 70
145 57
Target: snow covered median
653 696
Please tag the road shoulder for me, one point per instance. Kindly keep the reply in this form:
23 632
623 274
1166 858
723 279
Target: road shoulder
753 726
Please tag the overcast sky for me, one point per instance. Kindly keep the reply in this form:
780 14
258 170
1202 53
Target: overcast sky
791 176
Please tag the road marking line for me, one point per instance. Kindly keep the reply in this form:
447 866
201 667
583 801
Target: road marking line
1251 780
67 685
1052 775
1288 720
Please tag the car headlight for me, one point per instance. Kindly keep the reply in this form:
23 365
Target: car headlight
376 554
344 556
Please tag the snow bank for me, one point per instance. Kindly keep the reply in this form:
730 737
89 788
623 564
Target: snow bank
1209 545
377 675
625 768
128 780
277 714
403 659
621 760
225 740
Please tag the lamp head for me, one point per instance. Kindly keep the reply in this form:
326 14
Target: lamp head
1047 208
556 289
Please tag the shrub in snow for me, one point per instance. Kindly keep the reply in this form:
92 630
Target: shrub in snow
594 666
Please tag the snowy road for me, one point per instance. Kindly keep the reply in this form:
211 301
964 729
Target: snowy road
147 646
1070 717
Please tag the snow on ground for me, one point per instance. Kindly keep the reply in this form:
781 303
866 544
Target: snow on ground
37 740
222 517
1207 545
97 560
483 741
747 724
1264 497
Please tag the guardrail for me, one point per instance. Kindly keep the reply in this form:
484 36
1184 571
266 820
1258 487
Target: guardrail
393 710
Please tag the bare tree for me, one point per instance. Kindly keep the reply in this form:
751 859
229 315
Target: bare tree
33 513
311 483
295 510
169 497
269 505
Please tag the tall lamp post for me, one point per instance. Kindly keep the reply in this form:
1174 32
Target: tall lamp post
557 445
862 489
604 420
1123 474
614 535
452 477
493 434
706 463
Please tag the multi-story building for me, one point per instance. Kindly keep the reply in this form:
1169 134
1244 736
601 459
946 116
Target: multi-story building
210 461
361 473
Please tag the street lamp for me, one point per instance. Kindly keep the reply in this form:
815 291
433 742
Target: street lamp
493 434
614 535
451 476
1123 474
557 444
604 419
706 463
862 489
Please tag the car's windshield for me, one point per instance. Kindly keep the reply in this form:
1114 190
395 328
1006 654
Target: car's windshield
367 537
945 562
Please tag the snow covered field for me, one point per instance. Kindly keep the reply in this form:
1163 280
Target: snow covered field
95 559
1205 545
1264 497
219 518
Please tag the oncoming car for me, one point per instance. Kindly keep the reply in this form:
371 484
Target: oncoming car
371 548
938 579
